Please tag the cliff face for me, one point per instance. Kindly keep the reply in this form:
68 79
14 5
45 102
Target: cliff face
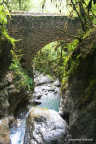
5 59
79 93
11 97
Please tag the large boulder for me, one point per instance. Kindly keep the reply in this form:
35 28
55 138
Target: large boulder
45 127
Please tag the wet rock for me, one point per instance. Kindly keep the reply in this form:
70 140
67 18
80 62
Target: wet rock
35 102
41 79
4 131
57 83
37 95
45 127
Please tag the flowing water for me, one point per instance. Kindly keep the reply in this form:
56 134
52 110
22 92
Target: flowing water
17 132
46 92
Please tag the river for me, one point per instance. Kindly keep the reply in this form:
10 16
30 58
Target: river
46 94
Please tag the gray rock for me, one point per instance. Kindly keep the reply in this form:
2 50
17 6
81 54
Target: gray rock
57 83
45 127
35 102
41 79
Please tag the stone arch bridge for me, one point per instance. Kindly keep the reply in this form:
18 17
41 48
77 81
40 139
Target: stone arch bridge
37 30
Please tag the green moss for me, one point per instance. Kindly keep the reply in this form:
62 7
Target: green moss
21 78
88 33
64 83
71 46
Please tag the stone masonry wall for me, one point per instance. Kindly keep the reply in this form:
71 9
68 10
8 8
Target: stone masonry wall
34 32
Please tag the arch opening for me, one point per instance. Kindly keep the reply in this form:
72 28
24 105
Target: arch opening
50 59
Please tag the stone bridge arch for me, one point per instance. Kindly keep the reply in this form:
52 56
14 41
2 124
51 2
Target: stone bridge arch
37 30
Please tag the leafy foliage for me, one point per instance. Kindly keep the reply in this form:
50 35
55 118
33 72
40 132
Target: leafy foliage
19 4
21 79
4 13
90 4
3 18
53 59
84 9
58 4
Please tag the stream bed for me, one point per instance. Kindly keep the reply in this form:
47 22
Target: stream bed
46 94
